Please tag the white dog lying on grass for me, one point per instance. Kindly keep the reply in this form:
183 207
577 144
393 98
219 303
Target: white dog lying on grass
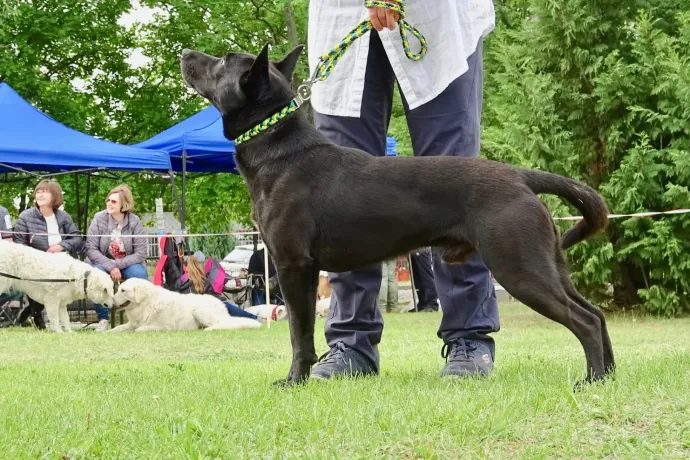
154 308
82 281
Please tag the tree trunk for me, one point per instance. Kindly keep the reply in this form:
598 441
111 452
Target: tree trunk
293 37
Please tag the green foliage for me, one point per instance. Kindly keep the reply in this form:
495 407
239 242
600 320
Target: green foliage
601 92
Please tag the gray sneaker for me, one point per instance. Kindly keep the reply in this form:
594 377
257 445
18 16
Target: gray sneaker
467 358
342 361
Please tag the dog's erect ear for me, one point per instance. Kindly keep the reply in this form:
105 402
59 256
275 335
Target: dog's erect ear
286 66
257 78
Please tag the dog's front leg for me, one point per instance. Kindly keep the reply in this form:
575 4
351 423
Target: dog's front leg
150 329
127 327
53 312
298 284
64 318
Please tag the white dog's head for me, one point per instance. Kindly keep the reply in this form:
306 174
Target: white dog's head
134 290
100 288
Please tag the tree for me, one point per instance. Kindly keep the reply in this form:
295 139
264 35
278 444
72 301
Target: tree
600 92
72 63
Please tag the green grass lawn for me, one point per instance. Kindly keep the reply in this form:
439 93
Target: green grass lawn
209 395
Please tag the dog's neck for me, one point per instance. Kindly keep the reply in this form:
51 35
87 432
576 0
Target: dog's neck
284 141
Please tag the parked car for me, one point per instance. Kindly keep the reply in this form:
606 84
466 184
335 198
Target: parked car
238 259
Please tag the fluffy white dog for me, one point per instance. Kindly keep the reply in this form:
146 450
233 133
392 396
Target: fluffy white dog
82 281
154 308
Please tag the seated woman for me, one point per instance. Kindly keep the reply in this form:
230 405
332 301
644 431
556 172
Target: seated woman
47 228
196 282
109 249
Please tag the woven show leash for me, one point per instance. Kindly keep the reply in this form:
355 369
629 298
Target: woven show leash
328 61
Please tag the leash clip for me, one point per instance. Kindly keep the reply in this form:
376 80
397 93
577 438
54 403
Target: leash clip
304 90
303 93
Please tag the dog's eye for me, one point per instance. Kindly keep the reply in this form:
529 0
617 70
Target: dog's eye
222 62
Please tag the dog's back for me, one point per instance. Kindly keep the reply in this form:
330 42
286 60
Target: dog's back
28 263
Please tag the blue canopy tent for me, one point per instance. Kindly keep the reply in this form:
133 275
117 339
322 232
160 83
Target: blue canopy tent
197 144
32 141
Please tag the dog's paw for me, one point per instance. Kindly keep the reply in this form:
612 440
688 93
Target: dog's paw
290 382
580 385
282 383
584 383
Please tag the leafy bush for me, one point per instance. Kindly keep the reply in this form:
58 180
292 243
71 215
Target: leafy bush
600 91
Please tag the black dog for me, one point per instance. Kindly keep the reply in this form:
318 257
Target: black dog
322 207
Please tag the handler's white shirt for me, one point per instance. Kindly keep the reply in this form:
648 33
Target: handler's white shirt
452 29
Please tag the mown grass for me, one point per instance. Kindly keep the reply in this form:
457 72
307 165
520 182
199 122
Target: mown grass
209 395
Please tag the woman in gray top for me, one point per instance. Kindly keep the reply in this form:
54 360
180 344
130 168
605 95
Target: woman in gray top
109 247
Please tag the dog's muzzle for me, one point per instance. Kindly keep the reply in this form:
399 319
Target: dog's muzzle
123 305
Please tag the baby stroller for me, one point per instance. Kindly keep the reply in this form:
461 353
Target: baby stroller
11 308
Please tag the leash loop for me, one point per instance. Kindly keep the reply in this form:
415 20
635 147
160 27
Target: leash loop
328 60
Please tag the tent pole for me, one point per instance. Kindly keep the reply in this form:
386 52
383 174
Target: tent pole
80 214
85 227
175 199
20 170
183 215
414 288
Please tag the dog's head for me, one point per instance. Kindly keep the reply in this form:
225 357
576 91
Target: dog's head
99 287
244 88
132 291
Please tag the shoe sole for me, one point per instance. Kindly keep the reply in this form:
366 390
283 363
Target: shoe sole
467 374
342 376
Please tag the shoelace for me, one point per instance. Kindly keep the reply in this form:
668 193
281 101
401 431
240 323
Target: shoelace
458 350
332 355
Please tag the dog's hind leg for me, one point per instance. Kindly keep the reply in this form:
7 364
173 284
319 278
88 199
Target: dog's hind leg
53 312
551 300
527 265
64 318
298 281
541 290
609 362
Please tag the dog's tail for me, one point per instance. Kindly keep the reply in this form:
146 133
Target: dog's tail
583 197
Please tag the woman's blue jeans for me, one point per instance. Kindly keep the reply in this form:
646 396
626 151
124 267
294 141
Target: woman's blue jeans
234 310
133 271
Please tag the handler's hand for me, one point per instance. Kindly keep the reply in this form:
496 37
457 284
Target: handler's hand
55 248
383 17
115 274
